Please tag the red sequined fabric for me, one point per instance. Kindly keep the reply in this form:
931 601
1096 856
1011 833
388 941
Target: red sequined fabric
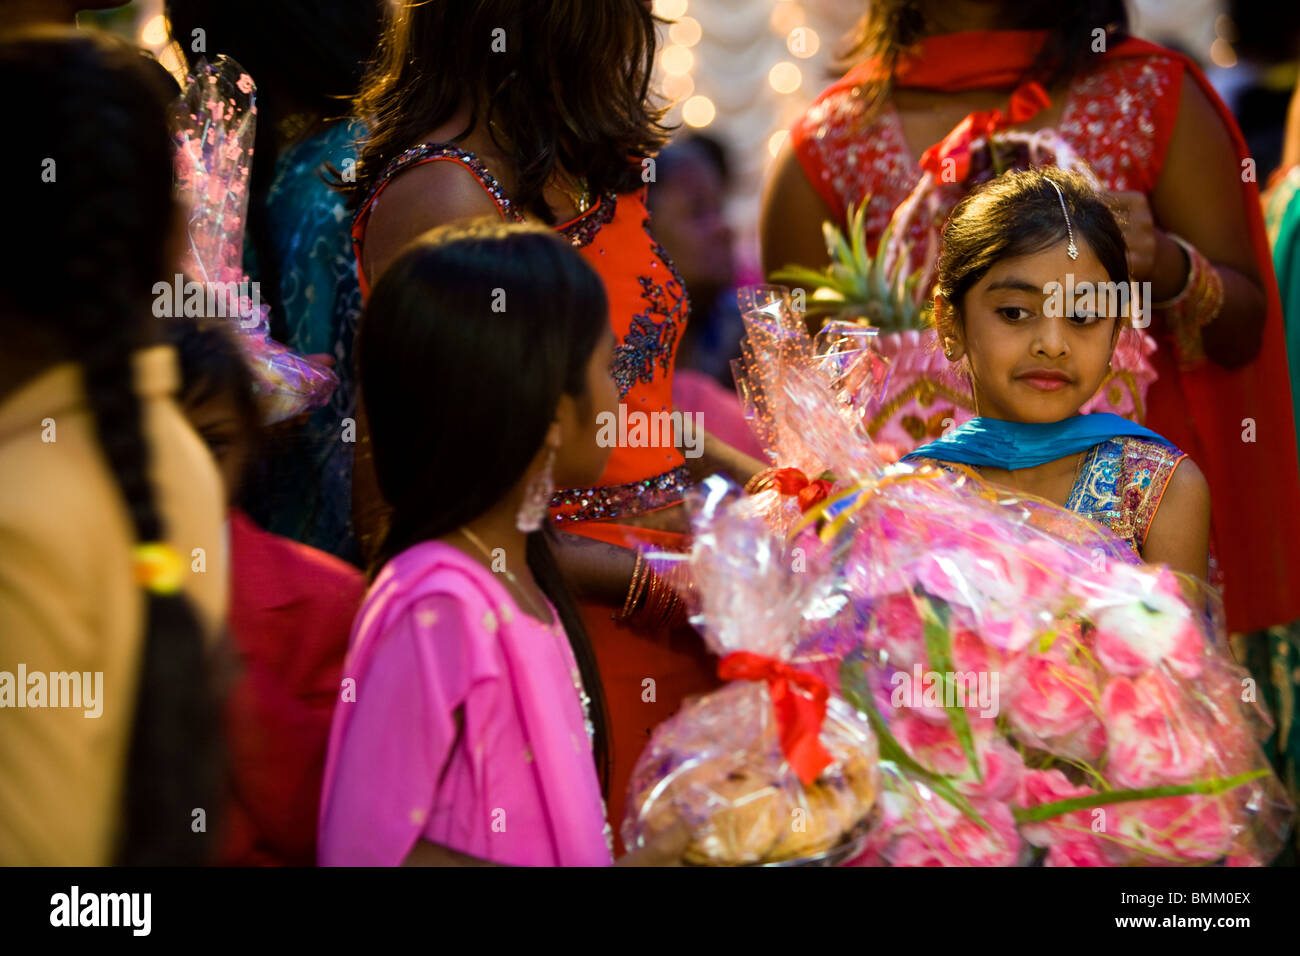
1118 118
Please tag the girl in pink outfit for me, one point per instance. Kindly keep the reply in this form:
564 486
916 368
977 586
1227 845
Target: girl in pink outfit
470 726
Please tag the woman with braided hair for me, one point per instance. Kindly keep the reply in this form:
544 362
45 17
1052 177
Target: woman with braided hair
112 564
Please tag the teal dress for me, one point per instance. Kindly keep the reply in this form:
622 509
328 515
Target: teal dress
305 491
1273 656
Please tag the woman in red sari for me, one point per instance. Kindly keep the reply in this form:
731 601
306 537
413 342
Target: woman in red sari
1155 134
539 112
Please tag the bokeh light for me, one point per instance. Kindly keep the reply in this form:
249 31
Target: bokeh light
698 111
677 86
787 16
803 42
670 9
1222 54
154 32
686 32
677 59
785 77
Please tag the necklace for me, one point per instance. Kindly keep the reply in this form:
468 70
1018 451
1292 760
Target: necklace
554 627
579 193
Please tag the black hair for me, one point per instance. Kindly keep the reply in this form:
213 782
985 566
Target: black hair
891 28
446 377
93 244
212 367
710 148
567 81
307 58
1019 214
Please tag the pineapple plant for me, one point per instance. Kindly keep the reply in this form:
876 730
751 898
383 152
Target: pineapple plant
856 285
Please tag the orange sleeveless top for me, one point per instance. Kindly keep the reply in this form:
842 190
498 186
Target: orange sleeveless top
648 308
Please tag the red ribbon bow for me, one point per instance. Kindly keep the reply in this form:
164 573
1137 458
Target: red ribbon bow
1026 101
799 716
792 481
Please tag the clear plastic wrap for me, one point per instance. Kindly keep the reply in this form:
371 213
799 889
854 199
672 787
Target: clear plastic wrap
1038 695
214 126
773 767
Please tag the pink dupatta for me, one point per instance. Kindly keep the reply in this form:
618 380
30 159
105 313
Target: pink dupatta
438 633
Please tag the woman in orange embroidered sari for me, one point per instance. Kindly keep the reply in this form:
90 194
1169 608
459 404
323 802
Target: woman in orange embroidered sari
1154 133
546 119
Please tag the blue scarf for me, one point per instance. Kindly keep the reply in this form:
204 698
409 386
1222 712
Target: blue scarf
994 443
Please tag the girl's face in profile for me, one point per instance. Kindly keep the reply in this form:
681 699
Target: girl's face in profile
581 458
1031 361
218 422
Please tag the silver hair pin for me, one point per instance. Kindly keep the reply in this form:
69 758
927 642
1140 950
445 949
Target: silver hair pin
1072 250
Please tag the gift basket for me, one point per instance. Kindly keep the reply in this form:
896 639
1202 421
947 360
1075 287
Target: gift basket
1037 695
891 290
773 768
214 124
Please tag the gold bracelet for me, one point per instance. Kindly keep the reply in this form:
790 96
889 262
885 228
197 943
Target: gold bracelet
1196 305
637 584
760 481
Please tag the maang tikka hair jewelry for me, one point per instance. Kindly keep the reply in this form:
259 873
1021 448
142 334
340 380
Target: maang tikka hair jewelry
1071 250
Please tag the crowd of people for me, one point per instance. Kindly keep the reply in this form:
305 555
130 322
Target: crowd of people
373 633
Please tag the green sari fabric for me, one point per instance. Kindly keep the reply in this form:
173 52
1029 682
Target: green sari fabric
1282 221
1273 656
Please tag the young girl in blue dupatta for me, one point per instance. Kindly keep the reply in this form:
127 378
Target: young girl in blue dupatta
1021 297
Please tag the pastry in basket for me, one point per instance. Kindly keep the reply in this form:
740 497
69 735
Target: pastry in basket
751 817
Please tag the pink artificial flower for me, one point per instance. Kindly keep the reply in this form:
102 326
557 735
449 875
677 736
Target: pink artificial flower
1192 828
1157 626
1038 787
1076 853
1152 737
897 630
1052 698
938 834
936 747
245 83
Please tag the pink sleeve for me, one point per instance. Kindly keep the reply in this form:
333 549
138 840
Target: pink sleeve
401 733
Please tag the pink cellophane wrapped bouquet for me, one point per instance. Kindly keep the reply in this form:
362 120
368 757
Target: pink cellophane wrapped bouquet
214 126
774 767
1038 695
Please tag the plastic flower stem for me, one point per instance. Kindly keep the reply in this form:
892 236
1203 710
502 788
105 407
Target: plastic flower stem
938 647
851 679
1056 808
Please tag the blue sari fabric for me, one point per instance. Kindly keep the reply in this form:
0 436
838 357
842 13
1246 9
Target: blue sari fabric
306 491
995 443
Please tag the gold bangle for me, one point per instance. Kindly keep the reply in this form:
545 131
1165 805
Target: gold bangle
1197 305
635 586
760 481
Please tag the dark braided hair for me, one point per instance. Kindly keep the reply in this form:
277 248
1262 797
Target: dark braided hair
93 245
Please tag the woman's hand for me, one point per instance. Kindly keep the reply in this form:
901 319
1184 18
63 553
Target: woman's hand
1139 228
1152 256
